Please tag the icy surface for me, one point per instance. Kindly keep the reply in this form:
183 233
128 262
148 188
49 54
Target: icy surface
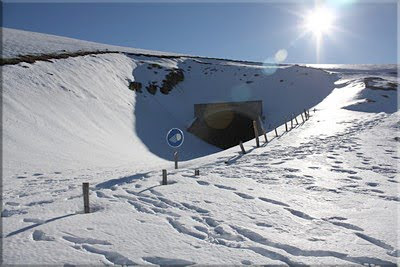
326 192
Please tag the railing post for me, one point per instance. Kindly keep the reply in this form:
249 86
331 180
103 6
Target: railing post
263 130
256 133
291 122
241 147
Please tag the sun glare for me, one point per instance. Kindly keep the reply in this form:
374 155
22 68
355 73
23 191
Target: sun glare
319 21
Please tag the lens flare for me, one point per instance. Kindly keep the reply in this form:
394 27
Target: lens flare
281 55
269 66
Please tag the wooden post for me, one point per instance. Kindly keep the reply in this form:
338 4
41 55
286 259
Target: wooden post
242 147
286 125
314 110
276 133
263 130
85 188
297 123
176 159
291 122
196 172
305 114
302 116
164 177
256 133
265 137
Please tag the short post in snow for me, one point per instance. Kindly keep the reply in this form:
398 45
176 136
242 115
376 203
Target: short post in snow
242 147
276 133
286 125
302 116
256 133
85 189
176 159
291 122
295 117
196 172
164 177
305 114
314 110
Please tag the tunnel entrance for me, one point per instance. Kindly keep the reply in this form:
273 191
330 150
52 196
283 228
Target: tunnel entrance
226 124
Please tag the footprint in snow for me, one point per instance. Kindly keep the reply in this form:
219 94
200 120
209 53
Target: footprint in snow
261 224
167 261
291 170
314 168
225 187
39 235
10 203
344 171
203 182
372 184
88 240
243 195
35 221
273 201
354 177
194 208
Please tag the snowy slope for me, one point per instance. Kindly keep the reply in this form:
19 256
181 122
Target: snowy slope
18 42
323 193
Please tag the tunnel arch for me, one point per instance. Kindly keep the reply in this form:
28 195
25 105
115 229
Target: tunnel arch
226 124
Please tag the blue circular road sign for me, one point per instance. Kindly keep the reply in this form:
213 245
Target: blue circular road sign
175 137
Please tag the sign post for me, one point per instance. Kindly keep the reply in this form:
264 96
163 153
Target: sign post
175 139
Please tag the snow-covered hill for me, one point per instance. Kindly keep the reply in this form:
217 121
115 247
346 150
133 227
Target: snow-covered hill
17 43
323 193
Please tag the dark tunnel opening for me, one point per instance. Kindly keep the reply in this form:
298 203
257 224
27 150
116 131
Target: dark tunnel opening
224 129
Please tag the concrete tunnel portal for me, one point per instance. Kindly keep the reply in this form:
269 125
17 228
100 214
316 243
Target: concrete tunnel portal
226 124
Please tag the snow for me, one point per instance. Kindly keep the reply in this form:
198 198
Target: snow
18 42
326 192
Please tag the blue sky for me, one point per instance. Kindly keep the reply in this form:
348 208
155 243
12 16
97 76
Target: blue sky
364 32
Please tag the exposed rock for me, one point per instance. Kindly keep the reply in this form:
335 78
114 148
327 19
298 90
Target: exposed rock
152 88
171 79
135 86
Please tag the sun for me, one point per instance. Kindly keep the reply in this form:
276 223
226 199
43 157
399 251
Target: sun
319 21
